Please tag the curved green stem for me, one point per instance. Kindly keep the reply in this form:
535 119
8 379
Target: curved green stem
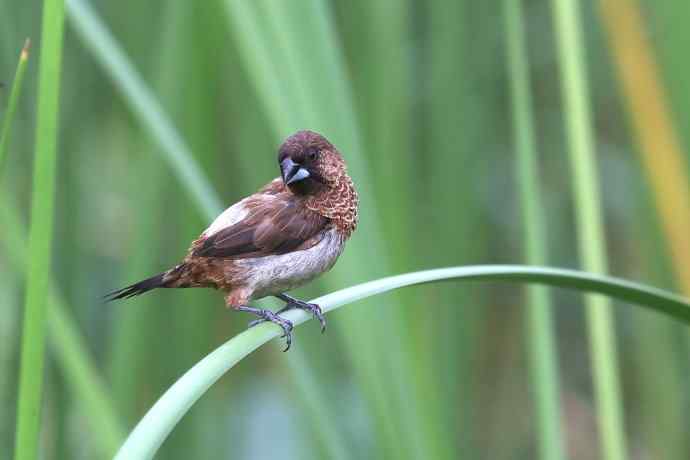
159 421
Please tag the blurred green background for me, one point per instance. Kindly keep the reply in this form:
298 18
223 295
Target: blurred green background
420 98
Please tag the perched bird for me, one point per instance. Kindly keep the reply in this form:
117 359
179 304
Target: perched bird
286 234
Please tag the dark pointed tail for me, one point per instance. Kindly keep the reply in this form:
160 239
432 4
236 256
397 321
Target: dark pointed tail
137 288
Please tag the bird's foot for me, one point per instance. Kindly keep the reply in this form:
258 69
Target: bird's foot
312 308
268 315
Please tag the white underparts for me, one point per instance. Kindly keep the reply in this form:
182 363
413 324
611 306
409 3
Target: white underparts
272 275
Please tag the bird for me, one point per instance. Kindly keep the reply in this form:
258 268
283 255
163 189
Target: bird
286 234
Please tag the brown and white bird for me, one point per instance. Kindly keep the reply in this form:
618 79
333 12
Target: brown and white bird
286 234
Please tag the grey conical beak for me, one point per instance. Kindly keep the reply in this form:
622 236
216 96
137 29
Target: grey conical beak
292 172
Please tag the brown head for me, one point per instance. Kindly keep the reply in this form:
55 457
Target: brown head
312 167
309 163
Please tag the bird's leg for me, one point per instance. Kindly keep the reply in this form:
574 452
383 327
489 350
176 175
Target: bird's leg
268 315
291 302
314 309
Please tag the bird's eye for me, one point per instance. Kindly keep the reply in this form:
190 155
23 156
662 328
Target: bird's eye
312 154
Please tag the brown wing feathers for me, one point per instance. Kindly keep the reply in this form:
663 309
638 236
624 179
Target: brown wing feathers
273 226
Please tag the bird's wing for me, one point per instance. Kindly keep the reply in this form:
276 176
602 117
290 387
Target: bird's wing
262 225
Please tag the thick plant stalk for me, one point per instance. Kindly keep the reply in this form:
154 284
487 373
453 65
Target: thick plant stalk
40 234
590 229
540 328
153 429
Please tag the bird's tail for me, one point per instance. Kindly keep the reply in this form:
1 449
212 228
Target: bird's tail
138 288
177 277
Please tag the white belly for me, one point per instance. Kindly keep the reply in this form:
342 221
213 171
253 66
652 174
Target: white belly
272 275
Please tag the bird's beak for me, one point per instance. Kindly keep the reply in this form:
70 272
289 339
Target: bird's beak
292 172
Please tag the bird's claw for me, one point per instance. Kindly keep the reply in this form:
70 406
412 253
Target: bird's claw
314 309
286 325
274 317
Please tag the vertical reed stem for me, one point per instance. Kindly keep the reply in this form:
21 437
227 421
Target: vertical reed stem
591 243
540 334
40 234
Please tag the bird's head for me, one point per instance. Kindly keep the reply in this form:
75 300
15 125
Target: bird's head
309 163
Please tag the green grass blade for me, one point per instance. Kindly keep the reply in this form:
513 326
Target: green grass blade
143 104
541 336
592 247
63 337
40 234
16 91
150 433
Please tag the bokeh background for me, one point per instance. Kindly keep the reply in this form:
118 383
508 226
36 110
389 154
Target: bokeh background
418 97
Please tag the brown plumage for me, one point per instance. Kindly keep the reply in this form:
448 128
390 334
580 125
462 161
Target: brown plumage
286 234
